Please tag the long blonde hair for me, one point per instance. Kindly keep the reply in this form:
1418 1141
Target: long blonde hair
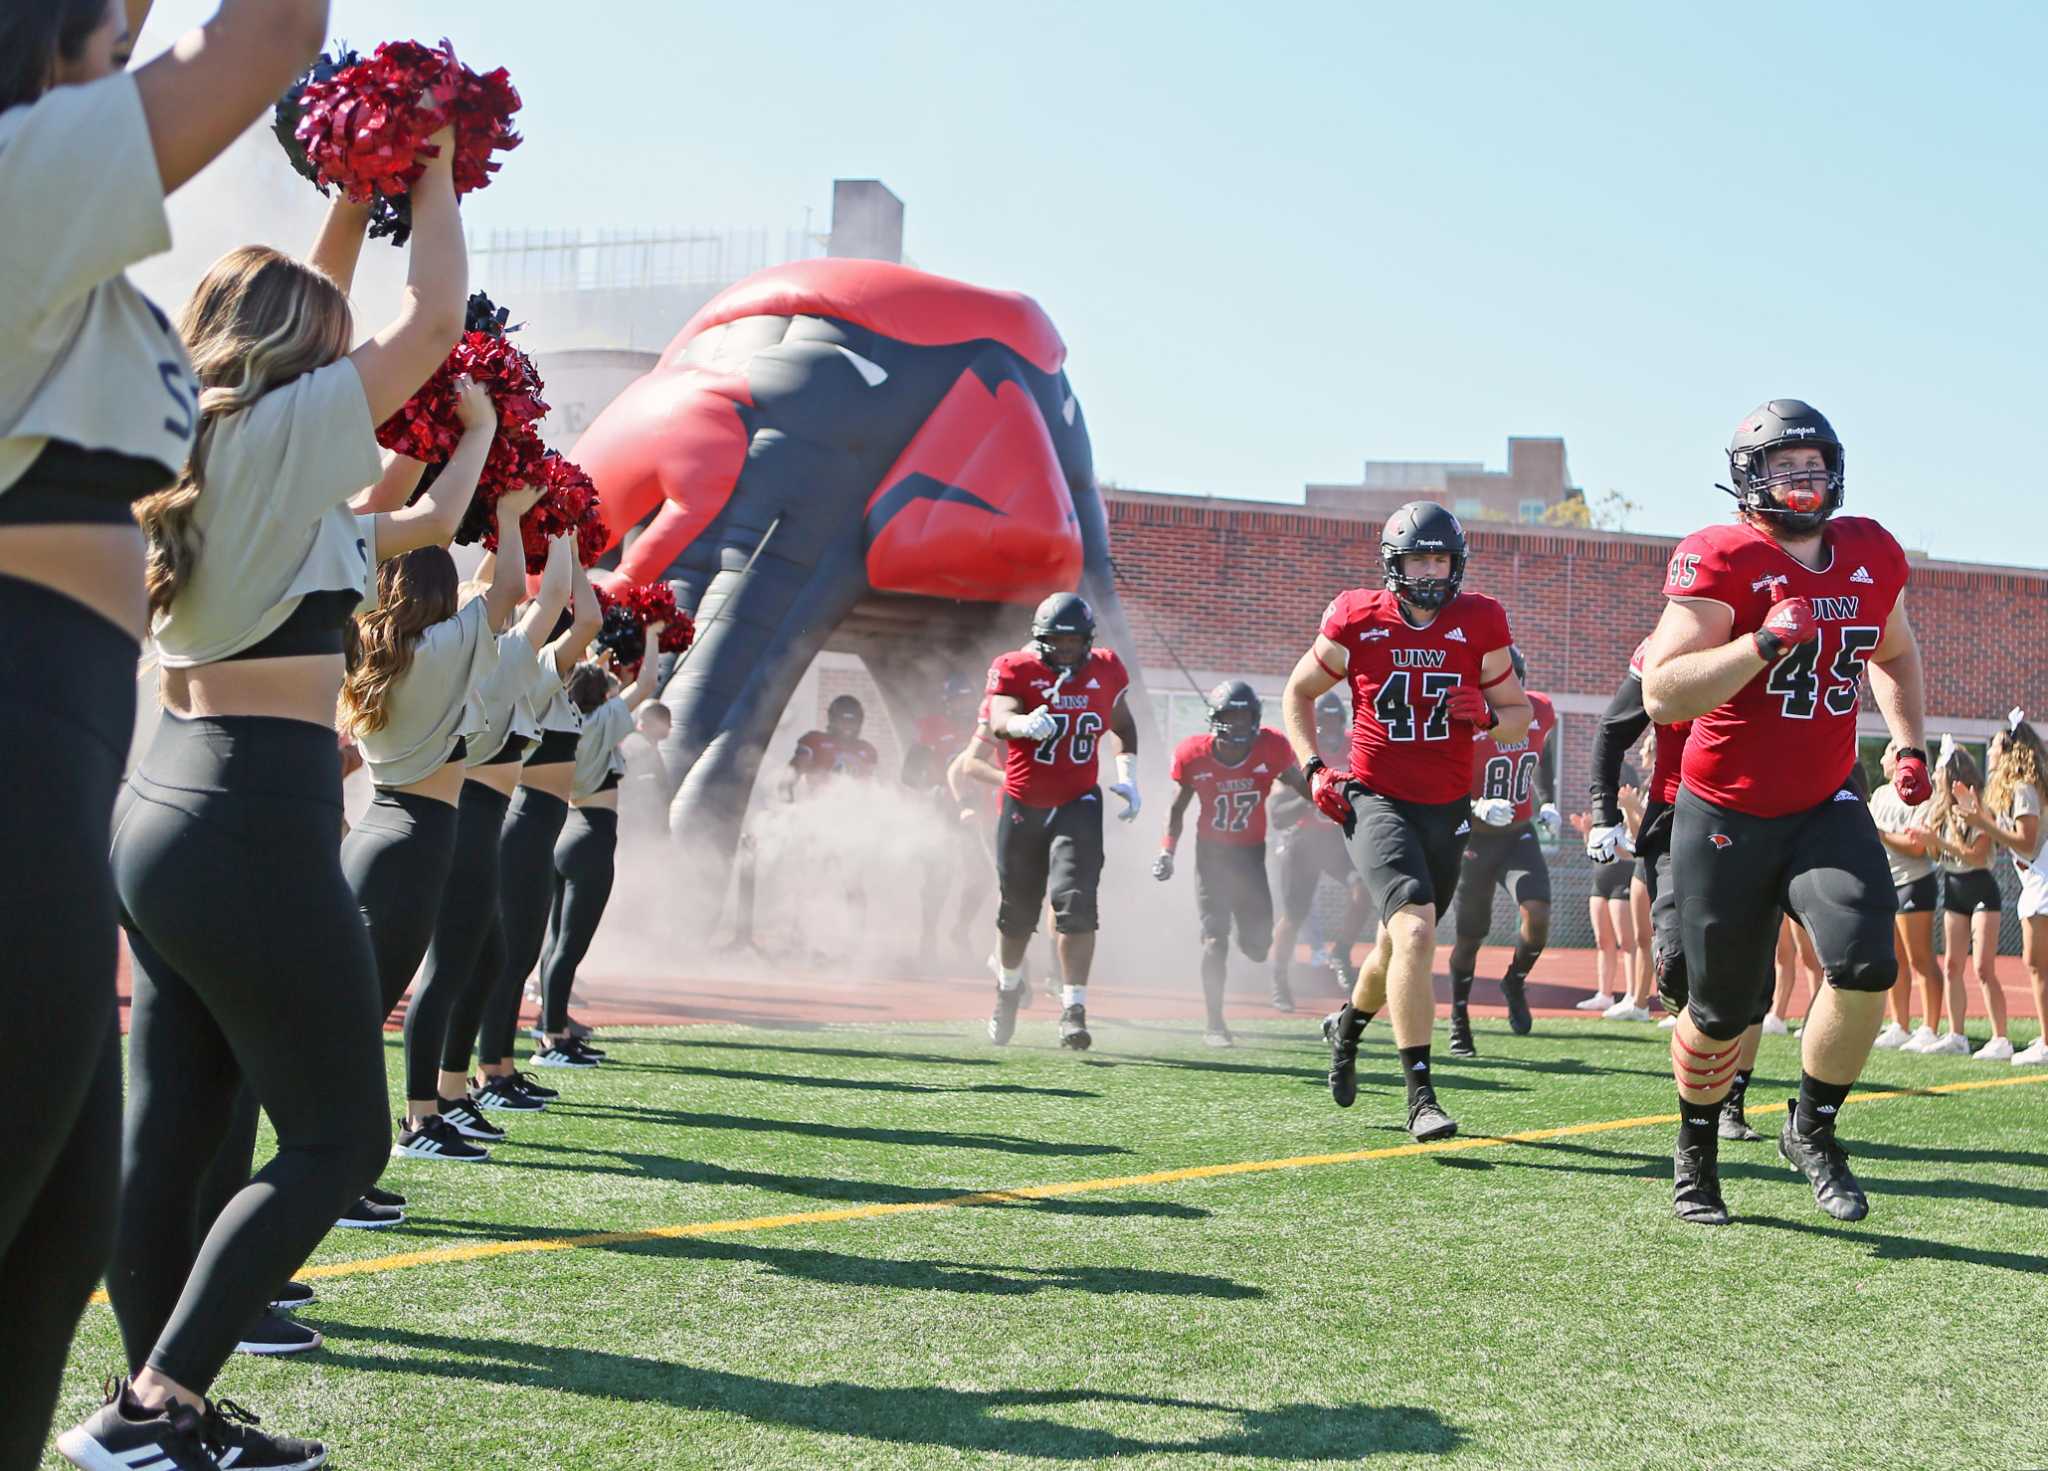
258 320
2020 762
415 591
1941 812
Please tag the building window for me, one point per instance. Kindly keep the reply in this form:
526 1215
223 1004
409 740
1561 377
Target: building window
1468 508
1532 511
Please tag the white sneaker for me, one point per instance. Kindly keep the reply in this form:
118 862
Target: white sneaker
1626 1010
1922 1039
2033 1053
1892 1037
1669 1022
1951 1044
1598 1001
1998 1049
1774 1025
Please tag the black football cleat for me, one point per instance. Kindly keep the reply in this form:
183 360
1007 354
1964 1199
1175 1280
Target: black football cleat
1002 1024
1820 1157
1461 1033
1734 1123
1696 1188
1330 1025
1514 991
1074 1029
1427 1120
1343 1060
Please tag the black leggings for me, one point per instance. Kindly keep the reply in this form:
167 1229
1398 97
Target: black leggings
465 926
396 861
526 880
583 886
251 962
67 709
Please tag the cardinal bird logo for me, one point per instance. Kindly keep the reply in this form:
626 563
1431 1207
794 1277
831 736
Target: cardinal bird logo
1721 840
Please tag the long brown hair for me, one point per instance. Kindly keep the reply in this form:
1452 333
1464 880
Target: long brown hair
2021 761
1960 767
415 590
258 320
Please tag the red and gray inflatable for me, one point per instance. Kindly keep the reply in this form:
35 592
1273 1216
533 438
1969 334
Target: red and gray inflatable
848 454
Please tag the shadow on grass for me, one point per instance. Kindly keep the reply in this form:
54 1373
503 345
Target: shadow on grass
813 1187
1312 1070
1889 1248
810 1129
862 1085
783 1049
1019 1422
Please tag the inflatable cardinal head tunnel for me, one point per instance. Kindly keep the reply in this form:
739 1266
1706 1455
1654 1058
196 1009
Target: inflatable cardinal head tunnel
848 454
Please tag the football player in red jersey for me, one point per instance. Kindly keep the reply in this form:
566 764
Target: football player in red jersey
1509 779
1769 627
958 860
837 750
1428 666
1052 701
1227 771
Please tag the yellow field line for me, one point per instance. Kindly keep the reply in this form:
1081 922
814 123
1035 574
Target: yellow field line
484 1250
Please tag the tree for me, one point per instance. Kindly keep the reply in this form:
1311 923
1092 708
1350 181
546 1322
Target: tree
1571 511
1609 513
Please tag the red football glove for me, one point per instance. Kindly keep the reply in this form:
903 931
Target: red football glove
1329 790
1789 625
1909 777
1468 703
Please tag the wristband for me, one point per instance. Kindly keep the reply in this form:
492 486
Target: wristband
1169 842
1310 767
1127 769
1768 645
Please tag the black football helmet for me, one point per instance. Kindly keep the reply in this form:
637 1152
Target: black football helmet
1788 496
844 717
1422 526
1333 726
1064 614
1234 712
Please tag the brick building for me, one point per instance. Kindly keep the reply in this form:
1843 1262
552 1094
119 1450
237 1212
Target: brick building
1535 480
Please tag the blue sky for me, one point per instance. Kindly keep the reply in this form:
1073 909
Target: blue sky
1282 240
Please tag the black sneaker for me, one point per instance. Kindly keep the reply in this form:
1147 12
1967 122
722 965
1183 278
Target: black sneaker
504 1093
435 1138
578 1030
566 1055
367 1215
1820 1157
587 1049
1283 994
1515 993
1734 1124
1461 1033
1427 1120
292 1296
121 1436
377 1196
274 1335
581 1039
1343 1060
1002 1022
231 1434
532 1089
1696 1188
467 1120
1074 1029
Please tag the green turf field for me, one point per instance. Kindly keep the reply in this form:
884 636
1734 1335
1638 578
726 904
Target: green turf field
1512 1305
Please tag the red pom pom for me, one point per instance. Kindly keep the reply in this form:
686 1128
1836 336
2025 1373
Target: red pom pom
628 612
514 461
364 127
427 428
483 111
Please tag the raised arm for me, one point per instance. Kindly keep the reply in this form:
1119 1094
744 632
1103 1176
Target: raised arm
433 519
508 574
538 621
401 477
215 81
402 356
340 245
586 619
644 683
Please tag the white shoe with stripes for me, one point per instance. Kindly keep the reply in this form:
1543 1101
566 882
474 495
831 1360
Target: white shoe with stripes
435 1138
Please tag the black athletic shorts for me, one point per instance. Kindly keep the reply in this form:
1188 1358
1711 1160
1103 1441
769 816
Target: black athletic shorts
1653 839
1231 891
1509 857
1610 880
1969 891
1056 850
1313 851
1733 872
1408 852
1922 895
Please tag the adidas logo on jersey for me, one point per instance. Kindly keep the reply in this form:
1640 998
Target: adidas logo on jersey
1456 635
1862 574
1094 684
1260 769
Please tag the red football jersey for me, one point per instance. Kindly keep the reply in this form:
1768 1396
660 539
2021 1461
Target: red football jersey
1231 799
1510 771
946 736
1050 773
1670 743
1403 741
820 757
1787 739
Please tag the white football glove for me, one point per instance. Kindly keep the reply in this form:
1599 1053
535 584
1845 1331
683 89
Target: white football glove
1604 844
1126 786
1494 811
1039 725
1550 817
1162 867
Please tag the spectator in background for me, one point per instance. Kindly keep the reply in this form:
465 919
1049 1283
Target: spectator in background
1909 853
1795 953
2010 816
1970 903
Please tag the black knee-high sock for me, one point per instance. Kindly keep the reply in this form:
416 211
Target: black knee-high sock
1698 1125
1522 961
1462 972
1415 1072
1820 1104
1739 1087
